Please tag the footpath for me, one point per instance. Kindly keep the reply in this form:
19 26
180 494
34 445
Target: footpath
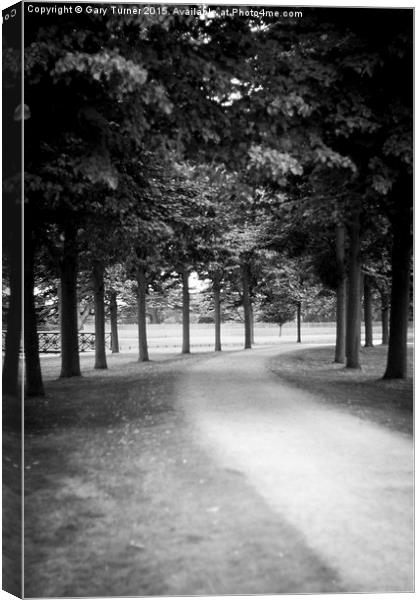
344 483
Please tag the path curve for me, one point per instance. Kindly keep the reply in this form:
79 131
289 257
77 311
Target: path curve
345 483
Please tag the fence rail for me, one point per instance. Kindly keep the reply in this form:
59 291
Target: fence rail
50 341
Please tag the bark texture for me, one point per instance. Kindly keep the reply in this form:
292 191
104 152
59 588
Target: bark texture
99 301
400 289
251 316
340 340
246 305
385 325
367 310
141 314
185 313
70 363
299 321
113 313
83 316
217 314
354 294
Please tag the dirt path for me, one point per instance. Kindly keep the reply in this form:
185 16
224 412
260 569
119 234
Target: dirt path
120 499
344 483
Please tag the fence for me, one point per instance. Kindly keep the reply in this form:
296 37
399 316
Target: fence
50 341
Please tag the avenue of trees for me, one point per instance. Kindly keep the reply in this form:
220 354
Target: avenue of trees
272 158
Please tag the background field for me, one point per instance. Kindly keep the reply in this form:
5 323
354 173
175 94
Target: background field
168 336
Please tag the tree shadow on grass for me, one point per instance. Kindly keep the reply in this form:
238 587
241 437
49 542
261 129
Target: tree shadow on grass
128 390
360 391
99 402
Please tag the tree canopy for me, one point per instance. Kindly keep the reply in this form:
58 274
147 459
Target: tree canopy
227 145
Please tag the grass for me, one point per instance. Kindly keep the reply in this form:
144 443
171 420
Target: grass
120 500
362 392
12 511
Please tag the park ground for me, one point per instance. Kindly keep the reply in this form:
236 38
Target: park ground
238 473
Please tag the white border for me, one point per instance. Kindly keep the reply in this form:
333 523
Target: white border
4 4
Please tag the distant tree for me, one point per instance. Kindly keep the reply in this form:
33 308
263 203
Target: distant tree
277 308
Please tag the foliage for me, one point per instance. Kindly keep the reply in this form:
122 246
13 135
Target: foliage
175 143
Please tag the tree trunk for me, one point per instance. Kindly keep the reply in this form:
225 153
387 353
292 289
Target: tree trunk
385 324
154 316
70 363
400 288
340 340
99 299
299 322
185 313
59 309
34 385
280 330
251 317
217 314
141 314
14 314
82 318
353 294
113 314
367 308
247 305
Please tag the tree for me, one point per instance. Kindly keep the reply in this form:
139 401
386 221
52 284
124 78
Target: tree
340 343
179 145
354 293
277 307
34 385
12 207
218 258
113 315
354 129
86 139
70 363
14 313
184 250
99 296
141 315
400 292
217 312
367 308
245 268
382 287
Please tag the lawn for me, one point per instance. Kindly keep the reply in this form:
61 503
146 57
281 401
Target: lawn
119 500
362 392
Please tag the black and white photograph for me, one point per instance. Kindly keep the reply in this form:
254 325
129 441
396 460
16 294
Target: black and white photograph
207 299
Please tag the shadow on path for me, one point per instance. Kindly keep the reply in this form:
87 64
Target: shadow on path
346 484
